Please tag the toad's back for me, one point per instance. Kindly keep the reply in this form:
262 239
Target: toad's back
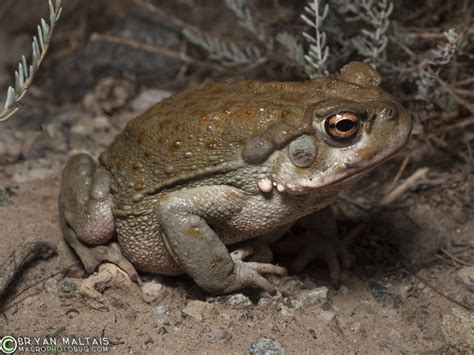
198 129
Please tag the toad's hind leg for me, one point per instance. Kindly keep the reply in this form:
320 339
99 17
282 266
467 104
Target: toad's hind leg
85 212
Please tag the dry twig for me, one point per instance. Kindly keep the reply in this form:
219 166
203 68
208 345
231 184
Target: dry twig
130 42
403 187
24 254
435 289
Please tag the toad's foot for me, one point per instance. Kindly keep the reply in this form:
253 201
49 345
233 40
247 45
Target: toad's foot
319 241
91 257
257 251
248 274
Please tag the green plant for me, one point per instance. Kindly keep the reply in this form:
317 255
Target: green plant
318 51
25 74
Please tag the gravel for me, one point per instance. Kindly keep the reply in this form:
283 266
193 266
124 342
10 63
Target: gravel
265 346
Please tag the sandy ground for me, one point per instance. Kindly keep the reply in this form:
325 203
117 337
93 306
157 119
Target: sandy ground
403 295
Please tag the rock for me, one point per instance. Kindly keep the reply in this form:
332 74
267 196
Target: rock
110 94
5 194
239 301
197 310
222 335
265 346
148 98
465 277
108 276
408 311
152 291
291 285
265 302
286 311
327 316
236 301
68 287
458 329
51 285
160 316
382 295
162 331
309 298
11 143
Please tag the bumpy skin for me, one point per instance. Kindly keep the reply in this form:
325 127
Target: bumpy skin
213 166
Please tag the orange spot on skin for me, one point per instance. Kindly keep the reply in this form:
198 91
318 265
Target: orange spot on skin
177 144
285 113
366 152
163 124
216 91
140 186
193 232
211 145
292 97
198 112
165 197
136 167
231 194
142 137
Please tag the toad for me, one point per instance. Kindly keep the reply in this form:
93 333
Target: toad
206 180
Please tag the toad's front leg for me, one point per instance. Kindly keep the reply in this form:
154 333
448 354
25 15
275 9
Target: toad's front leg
184 216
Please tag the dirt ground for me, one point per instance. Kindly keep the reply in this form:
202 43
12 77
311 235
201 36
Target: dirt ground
409 227
383 306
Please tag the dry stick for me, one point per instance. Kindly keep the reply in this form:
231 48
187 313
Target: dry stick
459 124
422 279
400 172
17 260
455 258
166 16
449 149
403 187
454 95
130 42
466 81
36 282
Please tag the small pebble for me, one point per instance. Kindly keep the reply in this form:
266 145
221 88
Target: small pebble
222 335
197 310
151 291
316 297
160 315
265 346
51 285
68 287
383 296
408 311
162 331
465 277
265 302
148 98
239 301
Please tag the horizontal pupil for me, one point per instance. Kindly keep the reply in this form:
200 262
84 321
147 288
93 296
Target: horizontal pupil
344 125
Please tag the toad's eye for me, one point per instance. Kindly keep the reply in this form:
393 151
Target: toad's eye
343 125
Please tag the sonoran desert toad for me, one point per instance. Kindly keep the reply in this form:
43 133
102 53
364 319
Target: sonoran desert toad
231 166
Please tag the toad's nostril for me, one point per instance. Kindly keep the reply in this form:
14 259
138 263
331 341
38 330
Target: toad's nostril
389 113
